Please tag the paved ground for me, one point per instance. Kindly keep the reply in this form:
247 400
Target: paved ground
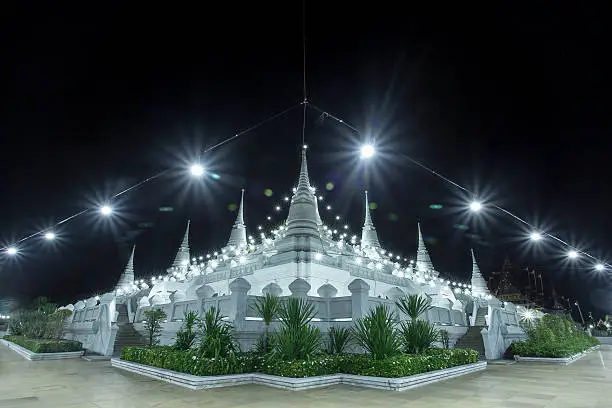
78 383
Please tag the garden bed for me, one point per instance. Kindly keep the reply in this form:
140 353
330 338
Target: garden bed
297 384
47 349
555 360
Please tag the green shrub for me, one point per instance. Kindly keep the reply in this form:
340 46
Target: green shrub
186 335
413 305
45 345
554 337
191 361
339 339
217 335
404 365
296 339
444 338
400 365
264 345
153 320
41 321
319 365
376 333
267 307
417 336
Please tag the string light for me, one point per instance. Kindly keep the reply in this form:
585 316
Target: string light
474 206
367 151
196 170
49 236
535 236
106 210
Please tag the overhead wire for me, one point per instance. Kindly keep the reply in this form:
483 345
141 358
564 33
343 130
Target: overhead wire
155 176
305 95
327 114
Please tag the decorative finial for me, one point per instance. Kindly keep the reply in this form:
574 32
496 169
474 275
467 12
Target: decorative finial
369 237
238 236
183 255
303 218
479 285
127 277
423 261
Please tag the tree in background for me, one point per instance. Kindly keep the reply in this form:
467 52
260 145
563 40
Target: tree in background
153 321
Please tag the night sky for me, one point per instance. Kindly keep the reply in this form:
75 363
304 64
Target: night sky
510 102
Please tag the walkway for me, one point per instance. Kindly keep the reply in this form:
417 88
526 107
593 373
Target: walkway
78 383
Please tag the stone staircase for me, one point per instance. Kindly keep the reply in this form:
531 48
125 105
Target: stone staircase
480 317
126 334
473 340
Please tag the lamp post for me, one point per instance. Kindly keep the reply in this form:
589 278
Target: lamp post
580 311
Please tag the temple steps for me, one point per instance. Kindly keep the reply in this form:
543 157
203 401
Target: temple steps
473 340
128 336
480 317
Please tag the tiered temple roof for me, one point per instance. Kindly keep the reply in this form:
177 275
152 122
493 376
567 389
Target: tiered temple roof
304 238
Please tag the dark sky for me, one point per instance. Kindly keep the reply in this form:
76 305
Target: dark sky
510 101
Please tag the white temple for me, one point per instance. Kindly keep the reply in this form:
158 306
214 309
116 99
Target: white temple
304 258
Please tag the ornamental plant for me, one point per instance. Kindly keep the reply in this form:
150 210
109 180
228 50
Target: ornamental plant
296 339
399 365
152 325
417 334
553 336
186 335
42 321
444 338
339 339
376 332
267 307
218 338
413 305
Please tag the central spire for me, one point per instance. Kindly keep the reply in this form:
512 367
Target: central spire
479 285
182 256
423 261
127 277
369 237
238 236
303 216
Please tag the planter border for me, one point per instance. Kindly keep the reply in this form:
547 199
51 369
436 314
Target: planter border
30 355
296 384
551 360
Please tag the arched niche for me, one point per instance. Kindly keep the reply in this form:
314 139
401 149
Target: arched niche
204 291
327 291
272 289
395 293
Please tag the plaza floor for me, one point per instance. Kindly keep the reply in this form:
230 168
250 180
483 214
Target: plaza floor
79 383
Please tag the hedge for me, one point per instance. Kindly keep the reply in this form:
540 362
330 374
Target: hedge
190 362
402 365
553 337
45 345
554 349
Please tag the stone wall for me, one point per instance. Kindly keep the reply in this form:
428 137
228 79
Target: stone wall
503 329
94 321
